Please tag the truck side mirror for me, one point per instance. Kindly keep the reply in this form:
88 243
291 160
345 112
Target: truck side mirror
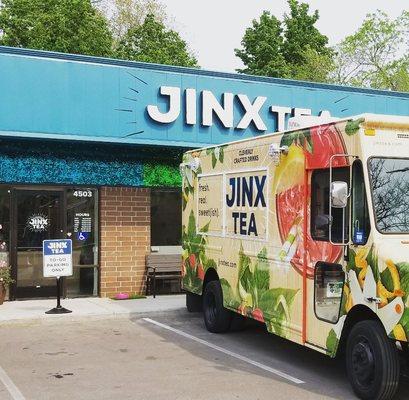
339 194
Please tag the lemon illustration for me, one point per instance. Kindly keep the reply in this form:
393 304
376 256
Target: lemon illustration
290 170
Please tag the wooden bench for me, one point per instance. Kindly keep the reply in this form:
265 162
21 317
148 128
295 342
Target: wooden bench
163 267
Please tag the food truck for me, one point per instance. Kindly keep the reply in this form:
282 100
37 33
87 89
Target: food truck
307 231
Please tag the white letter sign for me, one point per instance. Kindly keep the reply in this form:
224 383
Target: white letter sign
210 105
252 112
174 106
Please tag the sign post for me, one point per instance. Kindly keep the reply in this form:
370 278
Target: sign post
57 262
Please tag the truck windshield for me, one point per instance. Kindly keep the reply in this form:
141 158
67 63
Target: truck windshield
389 179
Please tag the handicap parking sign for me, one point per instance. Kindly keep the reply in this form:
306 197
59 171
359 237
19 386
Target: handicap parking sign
82 236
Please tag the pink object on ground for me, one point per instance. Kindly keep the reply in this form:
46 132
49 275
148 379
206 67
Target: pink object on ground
122 296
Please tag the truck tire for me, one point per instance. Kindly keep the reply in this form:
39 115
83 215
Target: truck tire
372 362
217 318
193 302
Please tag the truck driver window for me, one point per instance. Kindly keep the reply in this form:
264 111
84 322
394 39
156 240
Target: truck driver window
360 215
329 283
320 185
389 178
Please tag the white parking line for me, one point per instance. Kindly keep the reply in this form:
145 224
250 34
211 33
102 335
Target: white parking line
10 386
228 352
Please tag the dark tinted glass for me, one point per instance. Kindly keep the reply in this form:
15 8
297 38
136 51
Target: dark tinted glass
166 217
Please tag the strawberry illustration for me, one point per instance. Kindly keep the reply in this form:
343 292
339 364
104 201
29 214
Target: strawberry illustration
192 261
257 314
200 272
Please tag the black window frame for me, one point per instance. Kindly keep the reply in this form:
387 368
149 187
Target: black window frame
358 161
313 198
372 197
315 292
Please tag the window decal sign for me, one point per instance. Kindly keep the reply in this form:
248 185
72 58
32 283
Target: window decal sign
38 223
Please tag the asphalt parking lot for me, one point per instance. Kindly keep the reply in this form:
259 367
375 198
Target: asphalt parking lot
161 356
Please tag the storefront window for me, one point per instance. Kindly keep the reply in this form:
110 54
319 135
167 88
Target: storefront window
82 227
166 217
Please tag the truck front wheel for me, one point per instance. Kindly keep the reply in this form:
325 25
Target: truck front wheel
372 362
217 318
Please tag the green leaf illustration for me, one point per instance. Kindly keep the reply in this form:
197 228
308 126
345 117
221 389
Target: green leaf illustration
205 228
308 142
288 139
221 155
191 229
270 300
214 160
372 260
302 138
404 321
244 262
351 266
386 279
332 342
353 126
403 269
228 294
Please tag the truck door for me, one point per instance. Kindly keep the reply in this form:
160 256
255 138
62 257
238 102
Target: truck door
345 239
329 230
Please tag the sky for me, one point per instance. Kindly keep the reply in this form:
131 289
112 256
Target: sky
214 28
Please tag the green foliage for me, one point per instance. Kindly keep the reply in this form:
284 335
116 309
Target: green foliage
5 276
262 44
293 48
316 67
153 42
377 55
126 14
155 174
302 40
57 25
332 342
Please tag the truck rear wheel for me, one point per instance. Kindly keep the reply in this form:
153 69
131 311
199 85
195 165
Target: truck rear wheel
372 362
217 318
193 302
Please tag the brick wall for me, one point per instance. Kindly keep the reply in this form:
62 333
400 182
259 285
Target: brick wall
125 239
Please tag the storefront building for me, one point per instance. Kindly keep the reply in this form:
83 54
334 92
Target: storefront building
90 150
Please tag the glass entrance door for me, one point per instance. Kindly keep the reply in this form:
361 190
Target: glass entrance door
37 216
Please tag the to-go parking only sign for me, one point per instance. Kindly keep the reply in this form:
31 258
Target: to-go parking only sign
57 258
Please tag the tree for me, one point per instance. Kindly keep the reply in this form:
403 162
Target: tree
315 67
262 48
377 55
57 25
293 48
128 14
153 42
303 43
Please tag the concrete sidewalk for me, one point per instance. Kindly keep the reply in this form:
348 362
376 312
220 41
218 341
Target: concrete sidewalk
33 311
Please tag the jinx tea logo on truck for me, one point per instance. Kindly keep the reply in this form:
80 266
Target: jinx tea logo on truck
244 199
